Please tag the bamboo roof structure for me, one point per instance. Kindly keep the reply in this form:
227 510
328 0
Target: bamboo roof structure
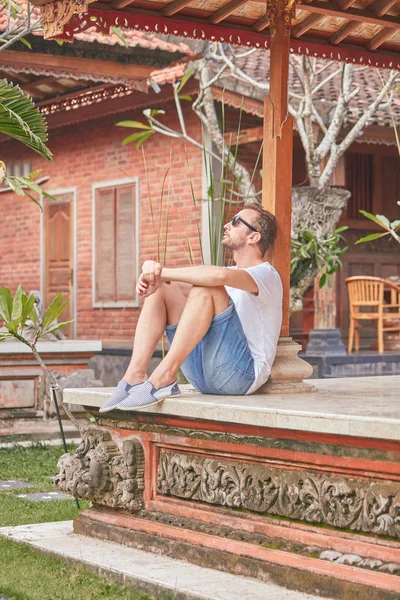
361 31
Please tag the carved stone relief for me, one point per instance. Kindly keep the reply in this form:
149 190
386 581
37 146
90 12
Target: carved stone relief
100 472
346 503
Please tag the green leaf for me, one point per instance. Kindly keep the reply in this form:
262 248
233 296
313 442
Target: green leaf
372 217
185 78
26 43
17 303
5 336
58 326
369 238
132 138
35 173
20 119
395 224
384 221
27 309
322 281
51 311
144 137
340 229
133 124
183 97
6 304
119 34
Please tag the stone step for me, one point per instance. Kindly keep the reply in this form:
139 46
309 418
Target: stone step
36 430
157 575
308 573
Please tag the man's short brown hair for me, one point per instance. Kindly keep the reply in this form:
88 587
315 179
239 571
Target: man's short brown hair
266 225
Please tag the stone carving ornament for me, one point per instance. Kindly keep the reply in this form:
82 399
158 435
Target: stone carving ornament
345 503
100 472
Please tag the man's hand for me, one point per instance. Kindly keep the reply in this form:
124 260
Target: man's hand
152 270
149 280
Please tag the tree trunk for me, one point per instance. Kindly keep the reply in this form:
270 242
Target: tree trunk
318 211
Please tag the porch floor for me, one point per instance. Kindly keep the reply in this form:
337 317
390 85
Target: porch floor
363 407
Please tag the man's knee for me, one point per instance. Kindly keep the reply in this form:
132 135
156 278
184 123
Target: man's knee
202 290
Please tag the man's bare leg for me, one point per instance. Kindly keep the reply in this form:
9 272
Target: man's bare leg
202 305
163 307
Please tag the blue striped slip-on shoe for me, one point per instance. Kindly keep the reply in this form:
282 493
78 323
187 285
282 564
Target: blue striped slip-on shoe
145 394
120 393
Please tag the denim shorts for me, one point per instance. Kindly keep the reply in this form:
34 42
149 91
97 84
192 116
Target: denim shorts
221 363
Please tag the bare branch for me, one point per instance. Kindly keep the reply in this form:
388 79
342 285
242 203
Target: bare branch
325 81
339 114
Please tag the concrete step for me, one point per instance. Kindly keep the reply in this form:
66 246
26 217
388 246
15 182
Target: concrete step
151 573
285 560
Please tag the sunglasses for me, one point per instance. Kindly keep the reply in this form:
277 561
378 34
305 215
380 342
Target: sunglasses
236 219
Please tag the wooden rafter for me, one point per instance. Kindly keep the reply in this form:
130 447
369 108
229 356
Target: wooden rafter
247 136
330 9
225 11
305 25
345 4
261 24
74 65
343 32
49 81
118 4
380 37
174 7
381 7
20 77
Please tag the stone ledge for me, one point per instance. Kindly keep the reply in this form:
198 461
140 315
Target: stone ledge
363 407
59 347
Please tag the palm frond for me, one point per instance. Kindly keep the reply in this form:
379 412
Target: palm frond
21 120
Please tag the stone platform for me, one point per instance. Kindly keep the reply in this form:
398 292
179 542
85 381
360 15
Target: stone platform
299 490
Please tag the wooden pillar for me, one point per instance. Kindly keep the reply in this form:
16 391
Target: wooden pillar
277 159
288 370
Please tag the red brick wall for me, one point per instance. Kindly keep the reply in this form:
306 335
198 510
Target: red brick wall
89 153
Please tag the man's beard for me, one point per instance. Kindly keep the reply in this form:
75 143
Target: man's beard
231 245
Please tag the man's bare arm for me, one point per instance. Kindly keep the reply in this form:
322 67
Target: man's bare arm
210 276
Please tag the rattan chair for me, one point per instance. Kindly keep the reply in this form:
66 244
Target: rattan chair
381 299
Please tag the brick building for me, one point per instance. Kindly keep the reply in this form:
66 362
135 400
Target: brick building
113 200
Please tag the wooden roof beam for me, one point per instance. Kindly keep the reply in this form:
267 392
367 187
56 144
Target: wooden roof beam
49 81
261 24
118 4
345 4
76 66
343 32
174 7
380 37
246 136
381 7
225 11
305 25
330 9
21 77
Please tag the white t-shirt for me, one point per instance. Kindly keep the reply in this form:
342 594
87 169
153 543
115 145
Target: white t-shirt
261 318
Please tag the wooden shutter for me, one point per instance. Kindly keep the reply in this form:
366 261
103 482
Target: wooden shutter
105 245
359 181
125 243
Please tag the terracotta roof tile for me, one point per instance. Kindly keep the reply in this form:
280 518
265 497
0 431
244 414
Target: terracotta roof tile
368 80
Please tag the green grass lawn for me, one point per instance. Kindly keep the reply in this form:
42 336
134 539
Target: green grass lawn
26 574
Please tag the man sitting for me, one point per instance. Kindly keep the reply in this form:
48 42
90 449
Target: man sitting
223 336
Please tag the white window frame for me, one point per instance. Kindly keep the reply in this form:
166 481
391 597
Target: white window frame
112 184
